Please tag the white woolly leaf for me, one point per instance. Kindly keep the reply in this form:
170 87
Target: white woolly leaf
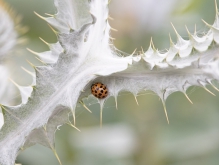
1 118
82 56
70 14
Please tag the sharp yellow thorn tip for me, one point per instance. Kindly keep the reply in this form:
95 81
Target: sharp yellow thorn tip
110 18
133 52
49 14
165 110
39 15
116 102
29 72
57 157
40 60
113 29
136 100
188 98
74 127
209 91
31 64
44 41
214 87
14 82
101 117
85 106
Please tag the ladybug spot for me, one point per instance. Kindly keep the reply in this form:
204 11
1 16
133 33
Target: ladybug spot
101 91
106 92
101 86
100 94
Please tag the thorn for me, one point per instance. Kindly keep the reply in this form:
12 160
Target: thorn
179 38
110 18
188 97
209 91
199 81
40 60
133 52
206 23
171 41
33 52
116 102
14 82
2 106
70 124
85 106
31 64
56 33
195 30
56 155
22 41
29 72
188 31
142 50
165 110
213 85
216 9
101 102
44 127
39 16
136 100
49 14
152 44
69 26
112 38
113 29
44 41
175 29
101 116
73 115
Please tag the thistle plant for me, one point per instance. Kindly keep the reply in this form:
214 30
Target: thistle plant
83 55
10 31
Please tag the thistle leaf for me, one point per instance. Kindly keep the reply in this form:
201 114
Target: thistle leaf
1 118
70 14
82 56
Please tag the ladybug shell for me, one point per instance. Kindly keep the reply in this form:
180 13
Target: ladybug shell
99 90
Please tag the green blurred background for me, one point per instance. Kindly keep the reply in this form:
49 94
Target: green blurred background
131 135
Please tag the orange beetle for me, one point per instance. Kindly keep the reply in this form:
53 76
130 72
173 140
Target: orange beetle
99 90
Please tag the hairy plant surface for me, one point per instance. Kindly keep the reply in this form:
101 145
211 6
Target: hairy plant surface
9 39
84 55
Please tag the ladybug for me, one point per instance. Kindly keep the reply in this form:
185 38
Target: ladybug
99 90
